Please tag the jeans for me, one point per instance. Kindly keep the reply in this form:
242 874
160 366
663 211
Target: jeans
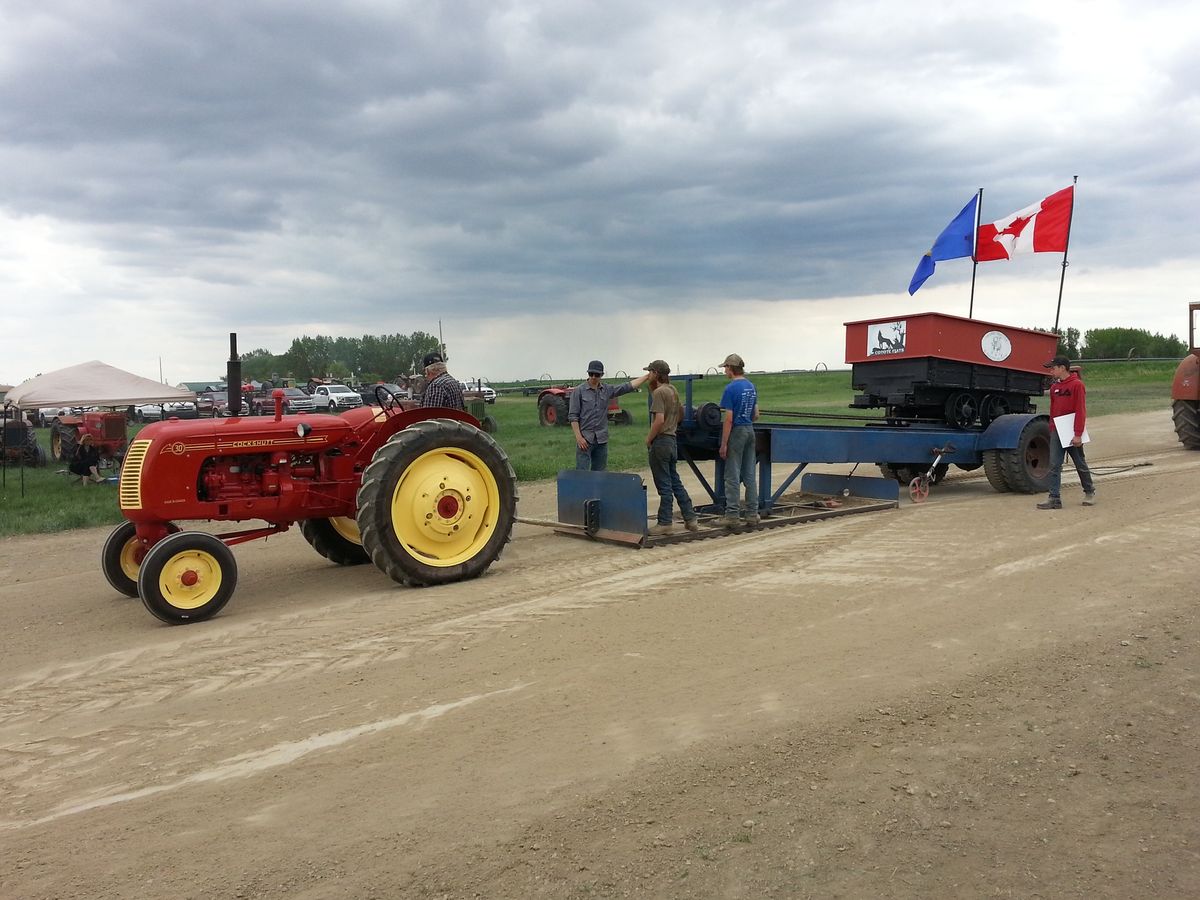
1057 453
664 455
739 470
595 457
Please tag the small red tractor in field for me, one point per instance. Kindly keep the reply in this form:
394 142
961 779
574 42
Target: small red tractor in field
1185 390
106 428
424 494
553 403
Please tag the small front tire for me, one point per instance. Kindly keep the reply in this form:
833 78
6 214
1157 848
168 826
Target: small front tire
187 577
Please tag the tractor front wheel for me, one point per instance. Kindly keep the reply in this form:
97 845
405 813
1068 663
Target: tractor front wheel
336 539
187 577
1186 414
437 503
121 558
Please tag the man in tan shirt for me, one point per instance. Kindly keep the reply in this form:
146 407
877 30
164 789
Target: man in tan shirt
665 413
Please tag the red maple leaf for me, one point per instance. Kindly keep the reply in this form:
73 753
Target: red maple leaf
1017 226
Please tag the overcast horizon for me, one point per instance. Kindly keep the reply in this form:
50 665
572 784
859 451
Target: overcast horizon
556 182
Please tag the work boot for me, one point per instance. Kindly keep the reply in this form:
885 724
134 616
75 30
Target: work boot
691 524
1089 499
1052 503
752 521
656 530
729 520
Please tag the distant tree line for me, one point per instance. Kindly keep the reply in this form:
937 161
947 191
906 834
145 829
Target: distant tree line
1117 343
369 358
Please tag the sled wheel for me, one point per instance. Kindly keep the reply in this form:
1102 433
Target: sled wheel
961 409
337 539
122 557
992 407
1027 466
437 503
918 489
187 577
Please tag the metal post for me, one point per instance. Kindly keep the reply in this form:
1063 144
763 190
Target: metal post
1063 277
974 260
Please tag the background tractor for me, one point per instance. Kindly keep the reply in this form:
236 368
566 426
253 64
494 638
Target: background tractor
1185 390
106 428
424 494
18 441
553 403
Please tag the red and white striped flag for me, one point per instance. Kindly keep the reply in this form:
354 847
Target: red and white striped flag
1040 228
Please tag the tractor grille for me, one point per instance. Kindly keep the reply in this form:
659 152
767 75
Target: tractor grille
114 428
131 474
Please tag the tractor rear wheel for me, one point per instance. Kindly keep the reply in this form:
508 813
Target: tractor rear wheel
187 577
122 556
490 425
623 417
337 539
552 410
437 503
1027 466
1186 414
993 468
63 440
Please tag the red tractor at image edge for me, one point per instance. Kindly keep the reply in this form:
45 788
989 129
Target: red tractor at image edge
1185 389
424 494
554 402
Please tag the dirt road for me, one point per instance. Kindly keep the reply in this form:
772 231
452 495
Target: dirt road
968 697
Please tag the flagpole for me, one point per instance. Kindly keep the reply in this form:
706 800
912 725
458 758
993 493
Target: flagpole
974 261
1066 246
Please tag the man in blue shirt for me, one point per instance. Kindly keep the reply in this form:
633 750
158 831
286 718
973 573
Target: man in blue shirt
587 411
739 403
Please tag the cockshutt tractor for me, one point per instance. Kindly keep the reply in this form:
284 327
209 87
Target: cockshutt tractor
422 493
1185 389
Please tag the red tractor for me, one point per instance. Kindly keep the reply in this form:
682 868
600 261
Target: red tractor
1185 390
422 493
554 401
106 428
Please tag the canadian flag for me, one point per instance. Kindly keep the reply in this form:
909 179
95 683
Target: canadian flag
1040 228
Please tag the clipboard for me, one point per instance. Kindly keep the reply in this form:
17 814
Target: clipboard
1065 426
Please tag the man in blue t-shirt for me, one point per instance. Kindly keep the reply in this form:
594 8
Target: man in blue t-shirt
739 403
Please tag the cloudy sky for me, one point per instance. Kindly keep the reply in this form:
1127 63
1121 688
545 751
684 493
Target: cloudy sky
556 180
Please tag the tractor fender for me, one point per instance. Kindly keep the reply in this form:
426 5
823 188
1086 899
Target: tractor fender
1186 385
1005 431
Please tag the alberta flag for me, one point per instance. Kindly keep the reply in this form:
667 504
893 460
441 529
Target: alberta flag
1042 227
955 241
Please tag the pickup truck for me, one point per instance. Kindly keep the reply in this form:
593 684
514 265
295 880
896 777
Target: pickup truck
333 398
294 401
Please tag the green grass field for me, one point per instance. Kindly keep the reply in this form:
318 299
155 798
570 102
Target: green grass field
51 503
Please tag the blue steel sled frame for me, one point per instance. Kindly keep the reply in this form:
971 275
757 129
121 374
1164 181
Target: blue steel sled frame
1014 450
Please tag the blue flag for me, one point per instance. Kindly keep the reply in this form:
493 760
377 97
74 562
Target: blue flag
956 240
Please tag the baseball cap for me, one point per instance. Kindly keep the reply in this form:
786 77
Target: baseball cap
595 367
658 366
733 360
431 359
1057 361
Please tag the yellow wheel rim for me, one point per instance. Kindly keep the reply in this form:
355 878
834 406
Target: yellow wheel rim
190 579
446 506
347 528
131 561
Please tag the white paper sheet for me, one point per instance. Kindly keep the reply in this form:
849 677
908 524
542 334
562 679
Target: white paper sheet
1065 426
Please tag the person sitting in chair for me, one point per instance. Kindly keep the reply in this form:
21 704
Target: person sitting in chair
87 461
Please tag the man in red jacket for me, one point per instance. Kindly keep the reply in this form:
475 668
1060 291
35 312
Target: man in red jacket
1067 395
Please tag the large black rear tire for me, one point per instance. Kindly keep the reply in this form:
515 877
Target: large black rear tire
1027 467
63 441
993 468
437 503
337 540
1186 414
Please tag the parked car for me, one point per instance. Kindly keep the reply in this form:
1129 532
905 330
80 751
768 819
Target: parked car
294 401
220 404
51 414
481 388
335 397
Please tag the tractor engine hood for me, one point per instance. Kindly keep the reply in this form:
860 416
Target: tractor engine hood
248 435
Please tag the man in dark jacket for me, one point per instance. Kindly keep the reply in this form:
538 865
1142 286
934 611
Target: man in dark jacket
441 388
1067 396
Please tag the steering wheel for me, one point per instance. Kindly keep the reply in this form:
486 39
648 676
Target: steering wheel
387 399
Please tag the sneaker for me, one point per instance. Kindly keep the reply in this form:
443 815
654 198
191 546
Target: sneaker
1089 499
691 524
1050 504
729 520
661 529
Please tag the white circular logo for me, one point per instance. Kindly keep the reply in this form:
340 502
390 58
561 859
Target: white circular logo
996 346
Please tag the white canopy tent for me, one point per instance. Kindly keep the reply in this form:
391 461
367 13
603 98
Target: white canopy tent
92 384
